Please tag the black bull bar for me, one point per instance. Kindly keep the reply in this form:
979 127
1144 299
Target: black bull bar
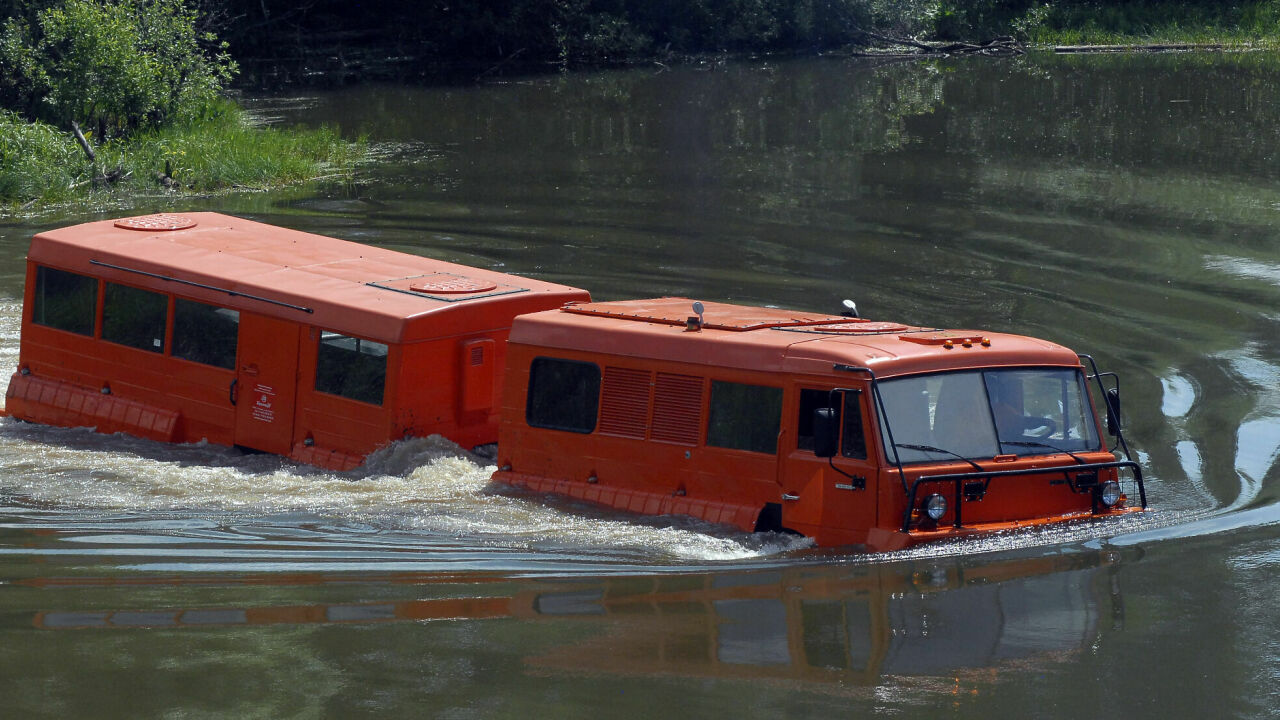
974 484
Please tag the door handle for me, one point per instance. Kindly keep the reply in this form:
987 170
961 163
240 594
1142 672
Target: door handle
231 391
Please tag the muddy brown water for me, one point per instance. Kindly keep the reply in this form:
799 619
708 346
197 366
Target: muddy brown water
1125 206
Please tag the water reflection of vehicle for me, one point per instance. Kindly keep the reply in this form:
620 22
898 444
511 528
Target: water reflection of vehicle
820 625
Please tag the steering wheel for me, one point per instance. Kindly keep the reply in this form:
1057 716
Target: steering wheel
1046 426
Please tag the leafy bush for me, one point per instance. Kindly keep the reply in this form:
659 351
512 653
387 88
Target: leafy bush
568 30
114 66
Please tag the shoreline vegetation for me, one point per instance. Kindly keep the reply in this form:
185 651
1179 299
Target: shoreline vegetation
331 42
225 148
129 97
113 99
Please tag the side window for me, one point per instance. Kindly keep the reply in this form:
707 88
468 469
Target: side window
205 333
563 395
351 367
811 400
745 417
64 300
853 442
134 317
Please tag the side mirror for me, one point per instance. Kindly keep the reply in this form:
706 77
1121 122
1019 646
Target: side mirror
826 432
1113 411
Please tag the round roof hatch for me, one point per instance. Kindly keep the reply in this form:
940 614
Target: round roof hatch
452 286
862 327
154 223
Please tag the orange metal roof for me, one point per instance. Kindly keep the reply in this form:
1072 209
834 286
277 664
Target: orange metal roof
776 340
354 288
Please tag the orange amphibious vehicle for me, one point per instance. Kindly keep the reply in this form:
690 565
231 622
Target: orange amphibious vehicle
207 327
849 431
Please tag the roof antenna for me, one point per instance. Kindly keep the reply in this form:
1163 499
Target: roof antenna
850 309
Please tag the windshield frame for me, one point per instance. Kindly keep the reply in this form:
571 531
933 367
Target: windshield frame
987 436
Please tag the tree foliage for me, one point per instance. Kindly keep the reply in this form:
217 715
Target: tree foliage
112 65
567 30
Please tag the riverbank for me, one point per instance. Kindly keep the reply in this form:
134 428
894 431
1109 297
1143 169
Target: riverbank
331 42
225 148
1236 25
326 44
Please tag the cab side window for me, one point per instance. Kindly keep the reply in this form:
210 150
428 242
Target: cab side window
811 400
853 443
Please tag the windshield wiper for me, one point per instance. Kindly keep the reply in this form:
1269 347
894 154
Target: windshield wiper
1032 443
930 448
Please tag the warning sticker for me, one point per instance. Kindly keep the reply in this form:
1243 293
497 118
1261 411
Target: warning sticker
264 403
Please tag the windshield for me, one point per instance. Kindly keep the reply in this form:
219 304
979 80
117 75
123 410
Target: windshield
981 414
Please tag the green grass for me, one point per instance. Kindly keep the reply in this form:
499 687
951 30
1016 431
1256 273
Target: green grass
1252 24
41 165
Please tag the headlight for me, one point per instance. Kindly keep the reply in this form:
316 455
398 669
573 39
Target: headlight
1109 493
935 506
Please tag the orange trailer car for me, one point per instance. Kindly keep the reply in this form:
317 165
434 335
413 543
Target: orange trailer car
207 327
842 429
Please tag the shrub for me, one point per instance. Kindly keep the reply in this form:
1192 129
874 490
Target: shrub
117 66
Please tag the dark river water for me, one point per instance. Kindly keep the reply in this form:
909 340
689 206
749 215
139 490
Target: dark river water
1123 206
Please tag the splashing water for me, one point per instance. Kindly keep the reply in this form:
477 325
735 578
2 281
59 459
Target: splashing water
428 487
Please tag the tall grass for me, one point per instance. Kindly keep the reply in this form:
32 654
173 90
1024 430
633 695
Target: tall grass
1254 23
36 160
221 148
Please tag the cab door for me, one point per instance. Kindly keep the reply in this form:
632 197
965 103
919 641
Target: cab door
266 383
834 501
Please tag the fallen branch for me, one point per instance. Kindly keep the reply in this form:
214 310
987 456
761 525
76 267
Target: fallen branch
100 179
500 65
1001 46
897 41
84 144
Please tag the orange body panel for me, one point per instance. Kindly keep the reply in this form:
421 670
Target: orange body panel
287 289
632 459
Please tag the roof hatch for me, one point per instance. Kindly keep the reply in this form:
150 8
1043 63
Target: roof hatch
447 286
852 327
716 316
156 223
948 338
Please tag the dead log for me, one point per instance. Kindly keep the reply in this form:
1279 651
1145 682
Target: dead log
996 47
84 144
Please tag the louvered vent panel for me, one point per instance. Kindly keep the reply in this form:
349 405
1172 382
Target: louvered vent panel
677 406
624 402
